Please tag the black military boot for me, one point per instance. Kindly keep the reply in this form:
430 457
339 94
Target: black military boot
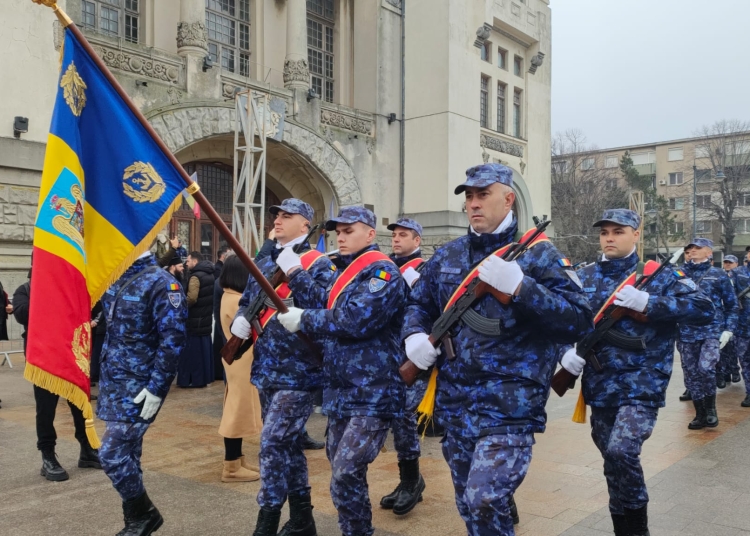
684 397
89 458
51 469
514 511
387 501
308 443
620 523
712 419
141 517
268 522
412 486
746 403
637 521
301 521
721 382
700 415
735 377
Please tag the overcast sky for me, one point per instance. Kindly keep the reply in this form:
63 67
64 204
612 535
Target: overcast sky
638 71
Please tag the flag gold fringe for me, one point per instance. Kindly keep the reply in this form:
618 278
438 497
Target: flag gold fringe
142 246
68 391
579 415
427 405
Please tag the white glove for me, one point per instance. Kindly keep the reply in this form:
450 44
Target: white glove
411 276
288 260
240 328
420 351
291 319
632 298
151 404
572 362
724 339
502 275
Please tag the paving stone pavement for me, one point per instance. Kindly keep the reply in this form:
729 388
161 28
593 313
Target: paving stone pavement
699 481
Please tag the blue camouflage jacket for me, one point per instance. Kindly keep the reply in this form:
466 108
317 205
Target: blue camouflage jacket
361 333
638 376
282 360
716 285
146 332
499 384
741 278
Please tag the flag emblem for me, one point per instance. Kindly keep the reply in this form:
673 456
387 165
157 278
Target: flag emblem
563 262
173 287
382 274
142 183
74 89
679 273
376 285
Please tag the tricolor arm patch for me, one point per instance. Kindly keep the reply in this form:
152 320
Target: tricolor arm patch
565 263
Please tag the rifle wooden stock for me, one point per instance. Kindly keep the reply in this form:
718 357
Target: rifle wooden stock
231 349
562 381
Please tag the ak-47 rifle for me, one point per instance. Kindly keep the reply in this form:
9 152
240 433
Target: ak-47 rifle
236 347
742 294
563 380
475 291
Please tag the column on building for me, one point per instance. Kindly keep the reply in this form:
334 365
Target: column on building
296 71
191 30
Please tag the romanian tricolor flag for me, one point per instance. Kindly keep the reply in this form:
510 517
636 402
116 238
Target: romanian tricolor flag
107 189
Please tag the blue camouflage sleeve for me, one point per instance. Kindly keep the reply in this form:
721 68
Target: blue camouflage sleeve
362 312
311 287
422 307
730 303
678 301
170 318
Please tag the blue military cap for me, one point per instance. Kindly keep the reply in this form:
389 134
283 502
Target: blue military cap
701 243
294 206
620 216
484 175
730 258
407 223
352 215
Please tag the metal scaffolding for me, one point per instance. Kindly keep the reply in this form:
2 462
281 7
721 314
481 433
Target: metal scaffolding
249 204
636 204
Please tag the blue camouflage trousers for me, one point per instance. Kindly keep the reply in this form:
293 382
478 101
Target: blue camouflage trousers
742 347
283 465
120 456
486 473
405 436
619 434
352 444
728 359
699 360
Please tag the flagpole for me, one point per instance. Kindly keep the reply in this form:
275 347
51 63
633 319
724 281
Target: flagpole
191 186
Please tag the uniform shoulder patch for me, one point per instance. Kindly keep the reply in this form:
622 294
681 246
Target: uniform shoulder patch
563 262
175 298
688 283
574 277
376 284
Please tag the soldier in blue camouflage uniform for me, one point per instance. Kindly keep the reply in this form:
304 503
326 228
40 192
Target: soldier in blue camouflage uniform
625 396
286 374
491 398
405 246
728 369
146 330
699 345
363 391
741 276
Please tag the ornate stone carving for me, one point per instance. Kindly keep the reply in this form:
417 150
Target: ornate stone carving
296 71
370 142
175 95
335 119
483 32
485 155
192 34
125 61
536 62
499 145
522 165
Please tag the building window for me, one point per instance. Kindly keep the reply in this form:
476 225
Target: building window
483 102
611 162
228 23
484 51
702 227
676 228
517 113
502 59
742 226
675 154
115 18
703 175
320 47
743 199
501 107
676 203
640 159
561 166
675 179
702 151
588 163
703 201
517 65
610 184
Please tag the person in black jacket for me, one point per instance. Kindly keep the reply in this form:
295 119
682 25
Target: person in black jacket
196 364
98 331
46 404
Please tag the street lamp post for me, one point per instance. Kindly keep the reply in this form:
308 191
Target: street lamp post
653 213
695 186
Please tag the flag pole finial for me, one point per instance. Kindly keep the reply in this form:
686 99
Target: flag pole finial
61 15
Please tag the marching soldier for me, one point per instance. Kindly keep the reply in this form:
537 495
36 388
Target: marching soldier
728 369
146 316
405 243
491 397
359 316
699 345
625 396
285 373
741 276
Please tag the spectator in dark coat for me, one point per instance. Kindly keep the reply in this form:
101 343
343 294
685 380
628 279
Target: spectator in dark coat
5 310
196 367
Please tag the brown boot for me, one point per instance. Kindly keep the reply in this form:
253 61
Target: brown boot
246 465
234 472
